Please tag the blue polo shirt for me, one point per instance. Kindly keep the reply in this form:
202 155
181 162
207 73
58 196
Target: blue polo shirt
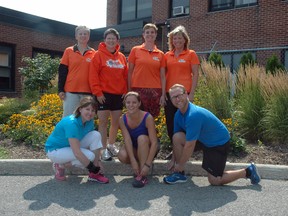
68 127
200 124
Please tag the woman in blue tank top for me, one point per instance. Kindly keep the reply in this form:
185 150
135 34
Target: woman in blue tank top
139 133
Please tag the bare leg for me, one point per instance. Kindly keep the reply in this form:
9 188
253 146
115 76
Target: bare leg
123 156
115 115
227 177
178 145
103 116
143 149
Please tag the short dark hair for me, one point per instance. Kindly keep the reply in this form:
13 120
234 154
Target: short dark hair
112 31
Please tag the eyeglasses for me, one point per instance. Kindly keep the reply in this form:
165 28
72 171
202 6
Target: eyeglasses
179 96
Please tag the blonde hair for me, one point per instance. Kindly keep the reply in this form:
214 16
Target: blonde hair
178 30
80 28
85 102
150 25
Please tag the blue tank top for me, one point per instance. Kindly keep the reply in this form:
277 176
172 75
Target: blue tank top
141 129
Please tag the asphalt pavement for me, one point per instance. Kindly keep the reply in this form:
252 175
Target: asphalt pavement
28 188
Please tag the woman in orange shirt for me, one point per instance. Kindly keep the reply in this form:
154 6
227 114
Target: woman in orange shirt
146 73
73 71
182 65
108 82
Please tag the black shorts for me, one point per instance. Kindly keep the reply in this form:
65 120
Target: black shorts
113 102
214 158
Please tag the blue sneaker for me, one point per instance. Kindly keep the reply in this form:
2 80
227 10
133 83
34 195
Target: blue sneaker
175 178
255 177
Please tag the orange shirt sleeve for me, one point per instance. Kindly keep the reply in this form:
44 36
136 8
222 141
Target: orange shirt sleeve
94 80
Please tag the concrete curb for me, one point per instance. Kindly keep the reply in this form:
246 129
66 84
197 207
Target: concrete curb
36 167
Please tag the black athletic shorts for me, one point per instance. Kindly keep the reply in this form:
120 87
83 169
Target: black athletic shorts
113 102
214 158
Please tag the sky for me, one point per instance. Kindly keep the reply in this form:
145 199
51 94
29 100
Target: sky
92 14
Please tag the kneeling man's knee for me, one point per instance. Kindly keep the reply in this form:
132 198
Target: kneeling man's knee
214 180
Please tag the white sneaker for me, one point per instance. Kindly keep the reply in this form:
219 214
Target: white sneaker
113 150
106 156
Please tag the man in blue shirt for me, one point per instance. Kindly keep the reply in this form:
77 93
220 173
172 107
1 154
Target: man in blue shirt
195 124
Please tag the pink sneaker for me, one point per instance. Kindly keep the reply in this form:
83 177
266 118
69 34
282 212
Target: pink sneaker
140 181
100 178
59 172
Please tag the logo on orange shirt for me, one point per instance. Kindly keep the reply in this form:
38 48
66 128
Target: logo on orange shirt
88 59
156 58
114 64
182 60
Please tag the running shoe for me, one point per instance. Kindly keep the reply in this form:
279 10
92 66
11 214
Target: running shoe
113 150
59 172
100 178
106 156
140 181
174 178
254 177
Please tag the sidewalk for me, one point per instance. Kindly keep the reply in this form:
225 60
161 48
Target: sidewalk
39 167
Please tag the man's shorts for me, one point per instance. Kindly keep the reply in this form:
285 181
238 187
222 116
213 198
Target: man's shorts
214 158
112 102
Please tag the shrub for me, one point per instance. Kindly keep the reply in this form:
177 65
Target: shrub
275 120
273 65
213 90
161 129
215 59
9 106
247 60
39 72
250 102
34 129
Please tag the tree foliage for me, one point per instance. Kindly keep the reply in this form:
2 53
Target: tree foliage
39 72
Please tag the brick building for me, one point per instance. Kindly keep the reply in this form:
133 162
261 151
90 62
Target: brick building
22 34
229 27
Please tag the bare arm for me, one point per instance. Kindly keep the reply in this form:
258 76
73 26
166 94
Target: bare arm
128 146
195 72
130 71
150 124
163 87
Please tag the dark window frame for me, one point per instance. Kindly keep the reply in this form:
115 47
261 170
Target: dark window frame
8 49
136 16
52 53
229 5
175 3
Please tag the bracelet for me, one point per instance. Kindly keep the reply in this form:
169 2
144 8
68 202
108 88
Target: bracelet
147 165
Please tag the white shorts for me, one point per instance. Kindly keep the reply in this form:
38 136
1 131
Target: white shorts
88 145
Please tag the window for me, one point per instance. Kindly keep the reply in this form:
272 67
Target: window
232 60
135 9
180 7
7 75
229 4
53 54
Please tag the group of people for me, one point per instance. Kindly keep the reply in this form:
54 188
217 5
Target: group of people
103 81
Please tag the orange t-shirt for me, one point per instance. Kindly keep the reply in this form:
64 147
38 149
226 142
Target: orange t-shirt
147 65
179 69
108 72
78 69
